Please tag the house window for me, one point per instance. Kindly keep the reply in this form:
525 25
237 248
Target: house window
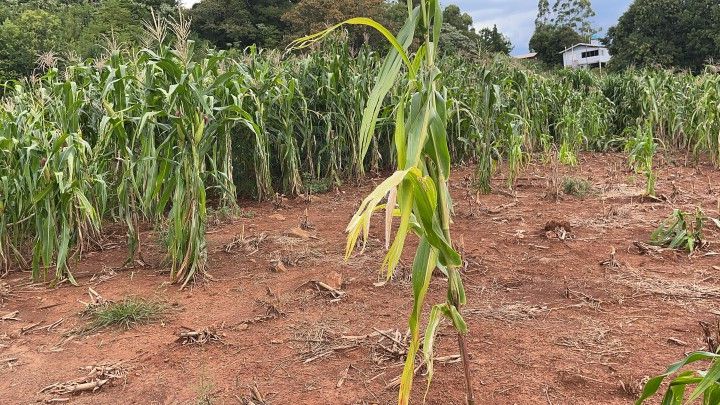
590 54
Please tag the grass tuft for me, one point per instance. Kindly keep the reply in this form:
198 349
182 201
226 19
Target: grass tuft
576 186
125 314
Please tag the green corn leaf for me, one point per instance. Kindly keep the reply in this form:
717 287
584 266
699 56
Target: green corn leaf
652 386
385 81
423 266
710 379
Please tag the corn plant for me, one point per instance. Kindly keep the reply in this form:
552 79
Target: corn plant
641 151
706 382
418 191
680 231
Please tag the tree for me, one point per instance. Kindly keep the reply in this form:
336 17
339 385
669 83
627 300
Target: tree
463 22
493 41
543 17
310 16
240 23
119 21
549 40
459 36
671 33
23 39
565 24
575 14
82 28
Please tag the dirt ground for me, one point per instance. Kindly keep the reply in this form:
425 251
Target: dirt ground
549 322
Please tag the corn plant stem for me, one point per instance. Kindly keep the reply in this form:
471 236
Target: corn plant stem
445 218
470 395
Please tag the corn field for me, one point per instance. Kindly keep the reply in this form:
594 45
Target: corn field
161 135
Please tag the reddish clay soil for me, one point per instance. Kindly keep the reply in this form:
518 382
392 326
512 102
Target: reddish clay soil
549 324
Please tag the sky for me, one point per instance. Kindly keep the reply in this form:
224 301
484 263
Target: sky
516 18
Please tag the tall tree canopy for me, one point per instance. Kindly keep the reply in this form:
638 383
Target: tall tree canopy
29 28
549 40
310 16
240 23
459 36
575 14
493 41
672 33
564 24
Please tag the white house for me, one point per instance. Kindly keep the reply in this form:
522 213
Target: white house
586 56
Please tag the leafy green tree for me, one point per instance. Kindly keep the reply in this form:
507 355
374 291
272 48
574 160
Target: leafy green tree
316 15
575 14
564 24
82 28
671 33
493 41
549 40
459 36
543 17
23 39
118 21
456 42
240 23
452 15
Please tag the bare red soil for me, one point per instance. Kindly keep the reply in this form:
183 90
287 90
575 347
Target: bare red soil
549 324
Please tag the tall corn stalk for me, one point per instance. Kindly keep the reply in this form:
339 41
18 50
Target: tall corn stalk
417 193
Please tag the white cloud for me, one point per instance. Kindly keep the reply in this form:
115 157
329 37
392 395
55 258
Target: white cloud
514 18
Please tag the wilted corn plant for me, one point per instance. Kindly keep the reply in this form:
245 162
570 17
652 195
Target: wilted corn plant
418 191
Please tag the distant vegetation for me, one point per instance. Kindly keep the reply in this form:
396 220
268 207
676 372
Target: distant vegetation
652 33
670 33
34 33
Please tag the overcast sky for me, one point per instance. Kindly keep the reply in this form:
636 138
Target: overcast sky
516 18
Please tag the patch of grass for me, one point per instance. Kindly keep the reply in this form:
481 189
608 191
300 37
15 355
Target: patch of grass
205 392
246 214
315 186
124 314
576 186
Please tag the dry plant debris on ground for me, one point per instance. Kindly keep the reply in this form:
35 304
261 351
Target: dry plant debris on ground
97 377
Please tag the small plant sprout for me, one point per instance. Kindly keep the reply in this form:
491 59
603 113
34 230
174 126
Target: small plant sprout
124 314
641 151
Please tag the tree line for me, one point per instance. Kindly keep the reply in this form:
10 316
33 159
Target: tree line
37 32
682 34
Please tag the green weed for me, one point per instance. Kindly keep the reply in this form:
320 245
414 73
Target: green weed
575 186
124 314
